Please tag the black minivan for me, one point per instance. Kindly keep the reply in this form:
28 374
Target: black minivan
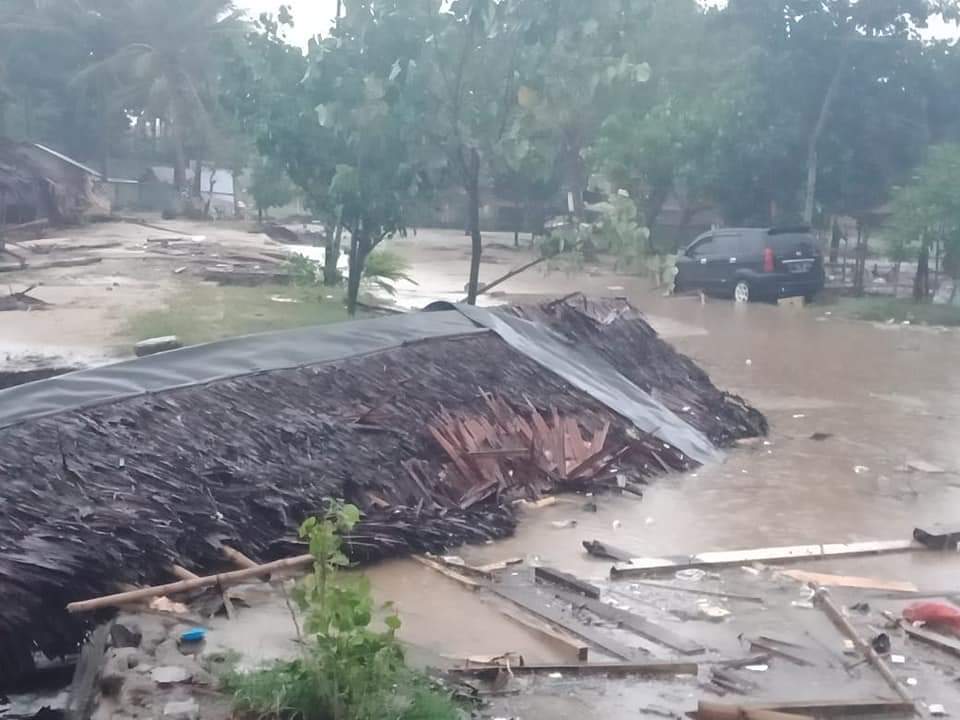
752 264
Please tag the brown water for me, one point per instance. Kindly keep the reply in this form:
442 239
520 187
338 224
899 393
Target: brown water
886 395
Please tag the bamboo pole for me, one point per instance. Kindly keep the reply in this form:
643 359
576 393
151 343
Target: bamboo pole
822 598
238 558
222 580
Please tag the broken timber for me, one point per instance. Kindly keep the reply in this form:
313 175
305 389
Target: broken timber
666 668
536 605
567 581
943 642
634 623
647 566
580 650
849 581
819 708
448 571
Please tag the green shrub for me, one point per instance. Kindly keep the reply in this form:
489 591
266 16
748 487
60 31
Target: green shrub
347 671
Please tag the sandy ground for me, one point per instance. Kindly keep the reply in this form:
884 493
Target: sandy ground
882 395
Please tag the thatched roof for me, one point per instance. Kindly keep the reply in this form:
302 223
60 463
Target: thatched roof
112 491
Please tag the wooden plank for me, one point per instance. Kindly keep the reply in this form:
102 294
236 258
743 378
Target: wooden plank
579 648
850 581
536 605
83 690
773 648
634 623
651 565
566 580
663 668
718 711
697 591
841 708
500 565
943 642
468 583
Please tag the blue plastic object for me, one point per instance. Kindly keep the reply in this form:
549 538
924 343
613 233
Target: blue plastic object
193 635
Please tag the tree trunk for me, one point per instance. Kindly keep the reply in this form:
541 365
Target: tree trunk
260 215
814 139
921 283
180 159
197 190
476 239
331 256
834 241
359 250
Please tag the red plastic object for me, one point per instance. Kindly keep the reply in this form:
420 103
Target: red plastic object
934 613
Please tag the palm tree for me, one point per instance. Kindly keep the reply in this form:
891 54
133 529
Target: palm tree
165 66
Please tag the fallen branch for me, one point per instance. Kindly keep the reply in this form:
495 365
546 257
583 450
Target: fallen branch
668 668
513 273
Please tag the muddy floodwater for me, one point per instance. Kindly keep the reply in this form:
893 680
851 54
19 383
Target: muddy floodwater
877 398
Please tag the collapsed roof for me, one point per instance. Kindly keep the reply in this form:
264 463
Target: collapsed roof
112 475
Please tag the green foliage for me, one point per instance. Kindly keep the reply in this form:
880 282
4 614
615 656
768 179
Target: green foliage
270 185
306 272
347 671
384 269
929 208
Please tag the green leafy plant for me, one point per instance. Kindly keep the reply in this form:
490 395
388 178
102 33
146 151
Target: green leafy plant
384 269
347 670
304 271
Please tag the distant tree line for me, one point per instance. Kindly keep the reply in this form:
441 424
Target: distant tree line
772 111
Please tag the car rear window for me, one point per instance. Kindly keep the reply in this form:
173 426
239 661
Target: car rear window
790 243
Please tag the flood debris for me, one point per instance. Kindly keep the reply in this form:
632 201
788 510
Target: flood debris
430 423
22 300
155 345
644 566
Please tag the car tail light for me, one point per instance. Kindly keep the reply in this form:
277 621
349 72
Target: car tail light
768 260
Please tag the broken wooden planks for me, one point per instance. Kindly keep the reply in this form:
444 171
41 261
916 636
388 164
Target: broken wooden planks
695 591
791 652
448 571
567 581
578 647
850 581
823 708
529 600
717 711
634 623
663 668
947 644
652 565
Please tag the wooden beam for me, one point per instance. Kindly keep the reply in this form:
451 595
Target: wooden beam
696 591
448 571
567 581
634 623
667 668
831 708
223 580
943 642
181 573
652 565
581 651
530 601
850 581
717 711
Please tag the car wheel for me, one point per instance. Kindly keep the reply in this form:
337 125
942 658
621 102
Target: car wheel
741 293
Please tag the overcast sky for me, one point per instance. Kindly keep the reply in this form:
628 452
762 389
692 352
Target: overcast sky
313 16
